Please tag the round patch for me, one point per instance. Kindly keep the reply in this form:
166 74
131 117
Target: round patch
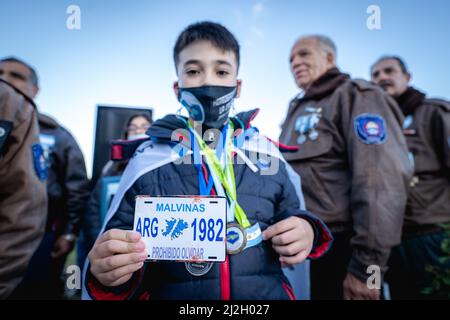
370 128
2 132
198 269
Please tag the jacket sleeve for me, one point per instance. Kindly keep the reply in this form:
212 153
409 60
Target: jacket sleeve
291 203
122 219
23 200
440 123
380 173
76 185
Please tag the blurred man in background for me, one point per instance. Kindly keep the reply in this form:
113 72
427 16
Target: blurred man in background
354 166
427 132
23 197
67 188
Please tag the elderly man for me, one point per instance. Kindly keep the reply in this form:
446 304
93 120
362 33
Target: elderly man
353 161
427 132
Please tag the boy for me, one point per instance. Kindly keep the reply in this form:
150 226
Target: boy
206 58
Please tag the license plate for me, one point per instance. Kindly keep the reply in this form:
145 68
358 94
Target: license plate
182 228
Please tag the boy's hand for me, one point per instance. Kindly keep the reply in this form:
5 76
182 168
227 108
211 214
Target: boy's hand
116 255
292 238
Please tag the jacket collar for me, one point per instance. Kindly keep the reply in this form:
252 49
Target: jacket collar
325 84
410 100
162 129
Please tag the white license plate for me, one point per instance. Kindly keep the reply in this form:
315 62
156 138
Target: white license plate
182 228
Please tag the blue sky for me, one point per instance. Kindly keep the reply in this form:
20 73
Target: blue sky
123 53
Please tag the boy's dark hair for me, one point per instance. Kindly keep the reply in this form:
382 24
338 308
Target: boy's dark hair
216 34
34 76
396 58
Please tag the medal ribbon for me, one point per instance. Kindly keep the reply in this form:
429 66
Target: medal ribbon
224 174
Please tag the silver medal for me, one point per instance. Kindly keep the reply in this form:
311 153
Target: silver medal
408 121
313 135
236 238
301 139
211 136
198 269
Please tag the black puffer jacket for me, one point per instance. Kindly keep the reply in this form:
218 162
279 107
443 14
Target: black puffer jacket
67 183
255 273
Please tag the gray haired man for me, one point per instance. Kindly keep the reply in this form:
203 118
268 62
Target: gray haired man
353 161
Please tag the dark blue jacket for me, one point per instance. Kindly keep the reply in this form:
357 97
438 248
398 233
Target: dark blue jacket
255 273
67 183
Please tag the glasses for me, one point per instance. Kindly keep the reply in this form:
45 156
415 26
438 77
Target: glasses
134 128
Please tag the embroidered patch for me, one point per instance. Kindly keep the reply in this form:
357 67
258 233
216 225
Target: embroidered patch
370 128
40 164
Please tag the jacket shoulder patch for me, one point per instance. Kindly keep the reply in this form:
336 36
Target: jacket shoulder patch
370 128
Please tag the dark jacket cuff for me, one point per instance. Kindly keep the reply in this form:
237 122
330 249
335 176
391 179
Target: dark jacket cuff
359 264
97 291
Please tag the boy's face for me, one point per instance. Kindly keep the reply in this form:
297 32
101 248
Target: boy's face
202 64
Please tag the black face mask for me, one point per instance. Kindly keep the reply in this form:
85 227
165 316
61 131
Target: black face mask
208 104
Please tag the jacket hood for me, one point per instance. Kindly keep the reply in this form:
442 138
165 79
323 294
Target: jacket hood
161 132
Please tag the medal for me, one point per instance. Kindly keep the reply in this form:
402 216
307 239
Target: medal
198 269
408 121
313 135
211 136
301 139
223 177
236 238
